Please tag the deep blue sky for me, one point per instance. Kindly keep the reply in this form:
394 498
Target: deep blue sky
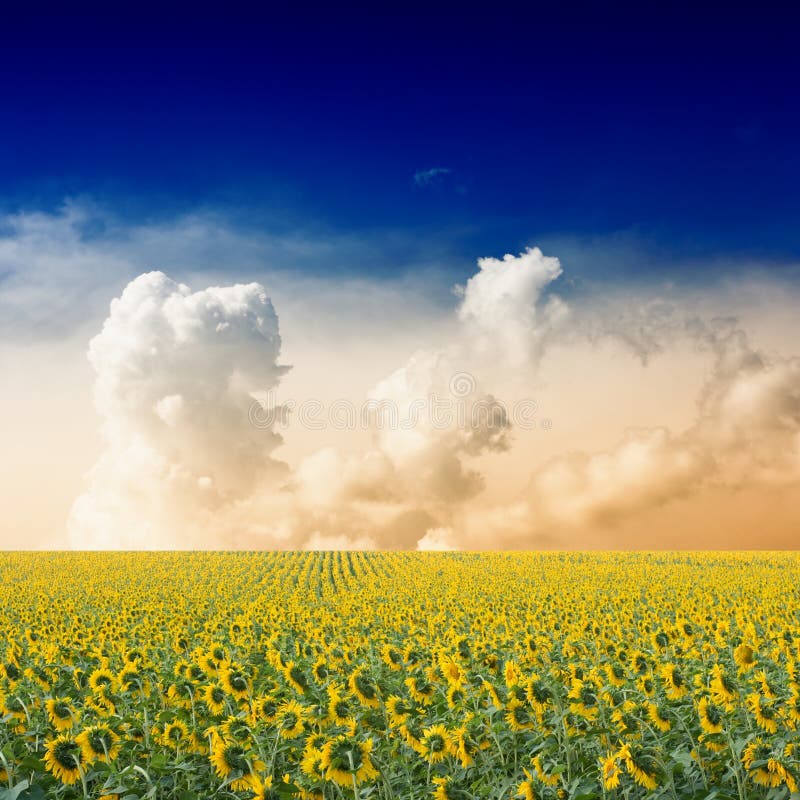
681 127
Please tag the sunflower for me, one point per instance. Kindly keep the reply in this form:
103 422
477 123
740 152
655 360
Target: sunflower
196 674
64 758
98 743
173 734
311 764
779 767
756 758
263 789
490 689
713 742
745 657
436 743
217 653
340 708
234 680
364 688
346 761
102 680
398 709
791 709
627 723
531 646
134 656
538 694
14 707
291 719
448 789
266 708
233 762
236 729
181 669
214 697
61 713
101 704
639 662
711 716
658 716
583 699
411 733
646 685
40 676
392 657
207 663
451 670
660 640
640 765
610 771
129 678
320 670
675 682
456 695
764 712
546 776
295 677
517 716
722 688
790 752
465 747
32 637
767 688
615 674
525 789
11 671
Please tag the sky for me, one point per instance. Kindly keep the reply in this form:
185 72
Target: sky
589 212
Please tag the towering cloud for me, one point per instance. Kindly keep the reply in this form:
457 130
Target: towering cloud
175 375
503 308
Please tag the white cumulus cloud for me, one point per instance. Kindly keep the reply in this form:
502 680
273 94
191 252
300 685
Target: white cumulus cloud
176 371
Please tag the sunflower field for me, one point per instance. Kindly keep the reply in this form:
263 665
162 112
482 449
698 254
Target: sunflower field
332 676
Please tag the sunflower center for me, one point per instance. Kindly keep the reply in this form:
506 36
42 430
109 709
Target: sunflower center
290 719
365 687
234 758
174 733
100 741
67 754
588 697
238 682
341 708
239 732
345 753
268 708
298 677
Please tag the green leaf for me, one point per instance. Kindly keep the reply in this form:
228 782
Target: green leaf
15 791
33 793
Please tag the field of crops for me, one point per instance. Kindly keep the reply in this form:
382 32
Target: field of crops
394 675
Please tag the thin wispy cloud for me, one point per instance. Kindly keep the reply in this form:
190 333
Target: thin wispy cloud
434 176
